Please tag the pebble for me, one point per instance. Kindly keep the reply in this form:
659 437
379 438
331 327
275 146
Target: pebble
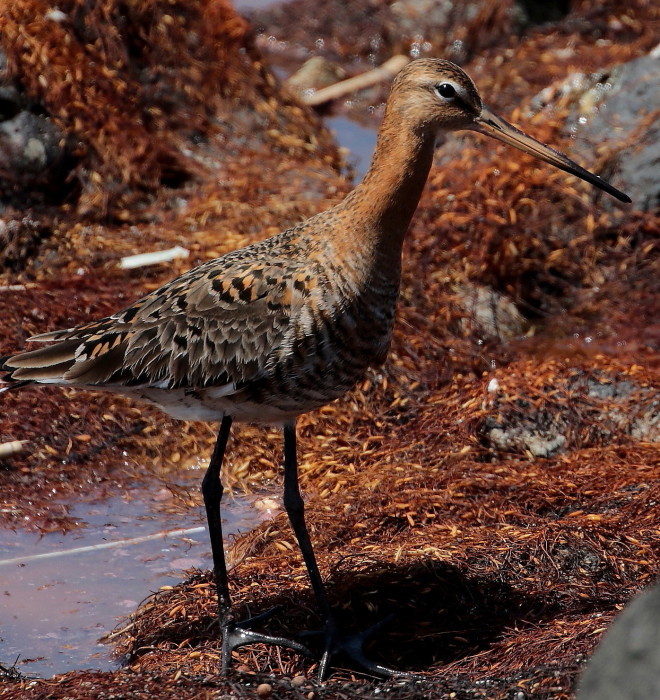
297 681
264 690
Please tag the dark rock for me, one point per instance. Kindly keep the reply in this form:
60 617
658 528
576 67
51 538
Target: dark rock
617 106
489 313
29 145
626 665
542 11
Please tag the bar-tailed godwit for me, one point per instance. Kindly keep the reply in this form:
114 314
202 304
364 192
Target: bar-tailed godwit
286 325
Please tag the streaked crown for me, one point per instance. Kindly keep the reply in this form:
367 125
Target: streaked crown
436 94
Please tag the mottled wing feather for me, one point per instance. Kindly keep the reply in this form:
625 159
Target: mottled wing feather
216 324
55 355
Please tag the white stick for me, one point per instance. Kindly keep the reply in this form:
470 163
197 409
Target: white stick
104 545
384 72
7 449
159 256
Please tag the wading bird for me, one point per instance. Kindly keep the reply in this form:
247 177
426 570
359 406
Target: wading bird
286 325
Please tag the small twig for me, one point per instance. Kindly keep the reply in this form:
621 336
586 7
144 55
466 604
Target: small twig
130 262
7 449
117 633
384 72
11 673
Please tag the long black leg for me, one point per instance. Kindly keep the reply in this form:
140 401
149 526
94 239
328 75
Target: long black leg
295 509
212 491
234 634
334 642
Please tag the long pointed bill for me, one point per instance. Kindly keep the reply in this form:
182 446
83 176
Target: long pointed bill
490 124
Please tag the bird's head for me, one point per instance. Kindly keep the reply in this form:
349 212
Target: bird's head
431 95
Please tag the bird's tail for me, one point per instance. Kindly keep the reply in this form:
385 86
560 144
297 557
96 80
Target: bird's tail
7 383
10 386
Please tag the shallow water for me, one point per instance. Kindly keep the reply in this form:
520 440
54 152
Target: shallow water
62 592
359 140
243 5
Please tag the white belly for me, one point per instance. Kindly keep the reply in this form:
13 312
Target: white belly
210 404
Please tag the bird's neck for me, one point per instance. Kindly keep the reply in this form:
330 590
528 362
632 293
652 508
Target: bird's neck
381 207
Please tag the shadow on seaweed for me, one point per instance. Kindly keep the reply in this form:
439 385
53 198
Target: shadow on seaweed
440 614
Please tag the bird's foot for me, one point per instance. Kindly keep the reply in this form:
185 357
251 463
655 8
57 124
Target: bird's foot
239 634
352 647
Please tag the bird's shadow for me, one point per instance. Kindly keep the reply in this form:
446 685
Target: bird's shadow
439 613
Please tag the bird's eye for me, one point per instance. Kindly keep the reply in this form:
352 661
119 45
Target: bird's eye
446 90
